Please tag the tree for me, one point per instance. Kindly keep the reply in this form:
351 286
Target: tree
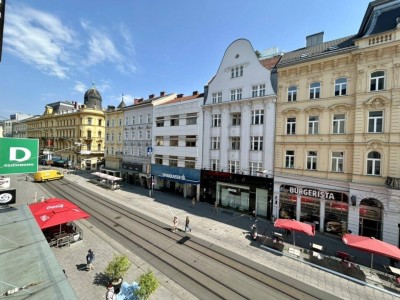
117 267
258 53
148 283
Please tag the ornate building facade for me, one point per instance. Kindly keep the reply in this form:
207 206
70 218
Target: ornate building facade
72 132
337 156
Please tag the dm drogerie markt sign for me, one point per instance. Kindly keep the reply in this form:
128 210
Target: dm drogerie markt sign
18 155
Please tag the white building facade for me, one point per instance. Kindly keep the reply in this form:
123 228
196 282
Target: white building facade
238 133
177 145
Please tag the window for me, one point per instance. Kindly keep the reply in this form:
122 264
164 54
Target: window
258 90
214 163
340 86
107 136
337 161
112 136
126 151
289 159
140 134
235 118
89 121
338 124
313 125
236 71
119 136
233 166
119 122
126 121
158 160
89 134
173 161
215 143
173 141
374 163
216 120
140 119
256 143
148 134
159 141
291 126
314 90
375 121
126 135
377 81
190 162
133 135
139 151
236 94
311 160
257 117
133 120
254 167
160 122
191 119
190 141
112 123
108 123
292 93
175 120
148 118
235 143
217 97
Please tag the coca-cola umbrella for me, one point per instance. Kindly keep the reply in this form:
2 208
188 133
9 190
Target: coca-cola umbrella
371 245
295 226
52 212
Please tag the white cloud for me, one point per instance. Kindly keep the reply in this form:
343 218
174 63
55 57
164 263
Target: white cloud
80 87
38 38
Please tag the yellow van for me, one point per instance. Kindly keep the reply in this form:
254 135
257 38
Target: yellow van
46 175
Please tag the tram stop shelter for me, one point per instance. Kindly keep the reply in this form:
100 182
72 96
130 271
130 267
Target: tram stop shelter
29 268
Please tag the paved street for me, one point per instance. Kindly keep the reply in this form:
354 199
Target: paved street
225 228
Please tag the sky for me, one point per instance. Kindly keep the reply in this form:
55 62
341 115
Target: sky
56 50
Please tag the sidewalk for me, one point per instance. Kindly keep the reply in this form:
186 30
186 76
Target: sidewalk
227 229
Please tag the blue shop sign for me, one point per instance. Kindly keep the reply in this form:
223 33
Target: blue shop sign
177 174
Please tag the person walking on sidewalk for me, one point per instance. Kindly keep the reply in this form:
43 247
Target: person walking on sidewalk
175 224
90 260
216 206
187 227
194 201
110 294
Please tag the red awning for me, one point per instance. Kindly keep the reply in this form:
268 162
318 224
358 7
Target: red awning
54 212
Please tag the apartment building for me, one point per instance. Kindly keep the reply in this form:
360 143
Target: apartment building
238 131
177 145
337 130
138 125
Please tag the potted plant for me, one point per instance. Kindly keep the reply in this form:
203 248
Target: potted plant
116 269
148 283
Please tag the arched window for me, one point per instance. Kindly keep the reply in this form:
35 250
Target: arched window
374 163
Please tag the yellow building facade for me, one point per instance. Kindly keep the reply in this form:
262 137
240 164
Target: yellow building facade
75 133
337 152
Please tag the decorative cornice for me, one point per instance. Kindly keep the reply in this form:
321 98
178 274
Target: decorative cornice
314 109
374 145
340 107
291 111
377 102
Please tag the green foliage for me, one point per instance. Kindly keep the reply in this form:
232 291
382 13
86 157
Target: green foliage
148 283
117 267
258 53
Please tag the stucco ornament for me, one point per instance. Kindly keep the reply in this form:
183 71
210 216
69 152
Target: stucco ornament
376 102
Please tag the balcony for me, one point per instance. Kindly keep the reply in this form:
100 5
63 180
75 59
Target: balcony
392 182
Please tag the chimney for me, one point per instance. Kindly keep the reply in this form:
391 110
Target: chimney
179 96
151 96
315 39
195 93
136 101
162 94
75 105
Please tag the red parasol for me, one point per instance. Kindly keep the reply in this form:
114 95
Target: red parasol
372 245
296 226
55 212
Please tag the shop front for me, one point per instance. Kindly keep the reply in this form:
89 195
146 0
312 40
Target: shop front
130 172
183 181
327 210
237 191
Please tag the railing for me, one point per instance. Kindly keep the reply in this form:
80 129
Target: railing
392 182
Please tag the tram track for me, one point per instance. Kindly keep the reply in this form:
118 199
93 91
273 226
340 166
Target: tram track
208 272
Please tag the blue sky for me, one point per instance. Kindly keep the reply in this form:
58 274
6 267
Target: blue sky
54 50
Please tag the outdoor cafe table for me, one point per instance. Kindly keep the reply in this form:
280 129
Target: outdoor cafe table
394 270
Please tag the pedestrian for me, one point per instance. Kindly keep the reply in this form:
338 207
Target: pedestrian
253 215
110 294
175 224
216 206
89 260
194 201
187 224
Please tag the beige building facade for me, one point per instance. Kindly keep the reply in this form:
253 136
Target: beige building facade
337 155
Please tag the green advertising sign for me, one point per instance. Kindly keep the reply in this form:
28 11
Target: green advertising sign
18 156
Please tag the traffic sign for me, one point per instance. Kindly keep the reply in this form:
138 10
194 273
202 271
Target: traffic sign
18 155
